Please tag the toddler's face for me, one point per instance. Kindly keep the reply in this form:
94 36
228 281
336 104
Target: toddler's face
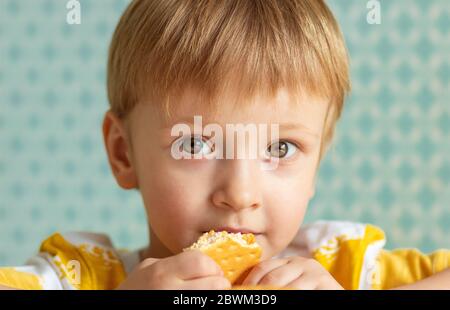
187 197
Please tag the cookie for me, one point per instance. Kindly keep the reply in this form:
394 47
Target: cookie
235 253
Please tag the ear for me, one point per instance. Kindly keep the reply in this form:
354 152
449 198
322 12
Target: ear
118 148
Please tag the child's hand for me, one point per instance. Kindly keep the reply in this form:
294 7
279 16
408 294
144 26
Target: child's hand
189 270
293 272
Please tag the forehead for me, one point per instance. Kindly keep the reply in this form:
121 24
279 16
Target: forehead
284 108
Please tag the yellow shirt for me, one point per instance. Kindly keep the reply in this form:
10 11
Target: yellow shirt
352 252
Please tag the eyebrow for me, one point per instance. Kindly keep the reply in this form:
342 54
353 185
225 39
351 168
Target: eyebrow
183 120
298 126
285 126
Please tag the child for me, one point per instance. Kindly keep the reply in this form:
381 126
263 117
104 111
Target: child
248 62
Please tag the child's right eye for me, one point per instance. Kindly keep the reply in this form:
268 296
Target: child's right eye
195 145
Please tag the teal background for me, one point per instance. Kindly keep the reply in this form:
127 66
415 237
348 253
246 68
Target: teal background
389 165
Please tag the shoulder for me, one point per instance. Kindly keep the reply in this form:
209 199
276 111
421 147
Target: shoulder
73 260
332 234
348 250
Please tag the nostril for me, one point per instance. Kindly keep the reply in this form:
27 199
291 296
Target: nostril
232 197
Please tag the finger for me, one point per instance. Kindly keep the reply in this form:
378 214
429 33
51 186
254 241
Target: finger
303 282
262 269
194 264
207 283
148 262
281 276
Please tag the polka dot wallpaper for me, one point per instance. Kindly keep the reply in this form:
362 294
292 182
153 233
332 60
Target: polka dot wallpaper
389 164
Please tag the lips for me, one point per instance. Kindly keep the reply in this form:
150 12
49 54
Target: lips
236 230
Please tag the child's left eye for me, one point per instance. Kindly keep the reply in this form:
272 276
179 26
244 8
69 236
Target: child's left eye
281 149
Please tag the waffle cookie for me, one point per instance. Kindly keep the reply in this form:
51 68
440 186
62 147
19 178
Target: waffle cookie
235 253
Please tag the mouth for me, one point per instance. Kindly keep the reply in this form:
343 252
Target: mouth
235 230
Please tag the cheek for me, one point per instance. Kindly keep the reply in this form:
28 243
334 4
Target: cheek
168 205
286 216
174 202
286 207
171 215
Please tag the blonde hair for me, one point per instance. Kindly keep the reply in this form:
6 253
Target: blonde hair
162 46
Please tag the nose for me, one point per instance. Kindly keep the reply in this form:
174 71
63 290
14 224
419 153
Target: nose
240 185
